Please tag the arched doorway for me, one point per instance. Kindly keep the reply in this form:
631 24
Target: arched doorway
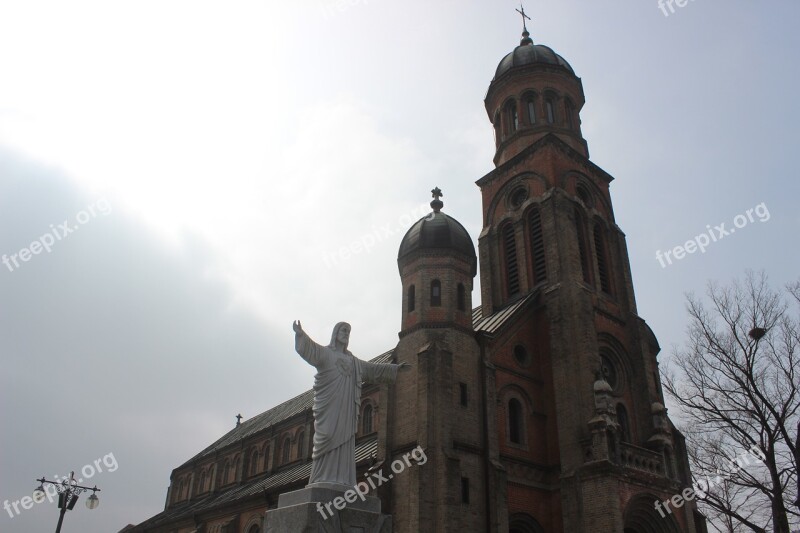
641 516
523 523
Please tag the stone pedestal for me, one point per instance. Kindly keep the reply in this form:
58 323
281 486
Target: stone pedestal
314 510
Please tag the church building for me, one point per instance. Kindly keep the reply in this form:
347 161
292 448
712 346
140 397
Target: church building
539 411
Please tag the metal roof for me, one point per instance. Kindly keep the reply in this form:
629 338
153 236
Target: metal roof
494 322
529 54
436 232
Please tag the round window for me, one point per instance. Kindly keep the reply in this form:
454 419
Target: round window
521 356
609 371
518 197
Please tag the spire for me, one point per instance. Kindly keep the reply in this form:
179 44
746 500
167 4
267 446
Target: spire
526 37
437 204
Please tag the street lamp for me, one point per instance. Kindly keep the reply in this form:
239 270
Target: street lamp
68 492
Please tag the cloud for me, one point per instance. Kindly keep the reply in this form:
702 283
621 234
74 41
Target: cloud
116 343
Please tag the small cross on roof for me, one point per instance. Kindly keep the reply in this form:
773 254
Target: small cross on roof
521 11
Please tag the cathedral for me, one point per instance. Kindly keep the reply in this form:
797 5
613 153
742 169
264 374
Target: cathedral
538 411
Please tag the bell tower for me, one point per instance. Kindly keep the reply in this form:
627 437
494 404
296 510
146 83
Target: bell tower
583 436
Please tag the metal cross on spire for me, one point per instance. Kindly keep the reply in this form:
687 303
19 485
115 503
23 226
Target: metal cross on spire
437 203
526 37
521 11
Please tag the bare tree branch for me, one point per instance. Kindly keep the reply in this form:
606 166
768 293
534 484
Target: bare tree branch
737 382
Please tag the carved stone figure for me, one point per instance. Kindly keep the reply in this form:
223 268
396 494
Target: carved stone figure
337 400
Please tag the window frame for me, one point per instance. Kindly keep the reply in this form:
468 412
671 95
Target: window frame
436 293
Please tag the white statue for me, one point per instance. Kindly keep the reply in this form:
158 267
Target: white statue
337 401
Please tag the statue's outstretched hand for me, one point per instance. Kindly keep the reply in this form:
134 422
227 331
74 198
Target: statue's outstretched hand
298 328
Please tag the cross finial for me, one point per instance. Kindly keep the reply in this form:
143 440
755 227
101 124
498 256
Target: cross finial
526 37
238 419
437 204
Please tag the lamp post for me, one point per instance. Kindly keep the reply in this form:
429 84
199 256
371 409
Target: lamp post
68 492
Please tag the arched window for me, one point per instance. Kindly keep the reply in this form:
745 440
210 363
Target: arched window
227 472
436 293
512 117
600 252
201 483
461 297
254 529
584 195
235 469
580 227
512 269
287 450
516 424
267 451
366 420
550 110
530 108
537 246
412 298
624 425
569 111
498 132
301 444
254 462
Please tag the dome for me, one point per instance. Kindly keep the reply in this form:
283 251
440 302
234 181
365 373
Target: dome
438 232
528 53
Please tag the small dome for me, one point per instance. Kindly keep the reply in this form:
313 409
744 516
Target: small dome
528 53
438 232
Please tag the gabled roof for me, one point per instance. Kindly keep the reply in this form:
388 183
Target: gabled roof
549 139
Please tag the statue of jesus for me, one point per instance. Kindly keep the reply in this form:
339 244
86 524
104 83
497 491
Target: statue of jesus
337 401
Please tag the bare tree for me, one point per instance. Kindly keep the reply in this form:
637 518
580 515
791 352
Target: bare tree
737 382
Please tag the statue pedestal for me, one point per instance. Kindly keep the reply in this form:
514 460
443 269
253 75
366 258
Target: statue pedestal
323 508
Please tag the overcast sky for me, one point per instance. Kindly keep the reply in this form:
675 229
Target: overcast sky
214 158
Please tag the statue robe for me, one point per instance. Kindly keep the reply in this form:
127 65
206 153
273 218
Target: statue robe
337 402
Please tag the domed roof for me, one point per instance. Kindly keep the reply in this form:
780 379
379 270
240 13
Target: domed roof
528 53
438 232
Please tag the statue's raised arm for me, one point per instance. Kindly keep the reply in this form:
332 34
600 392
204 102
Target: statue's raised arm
309 350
